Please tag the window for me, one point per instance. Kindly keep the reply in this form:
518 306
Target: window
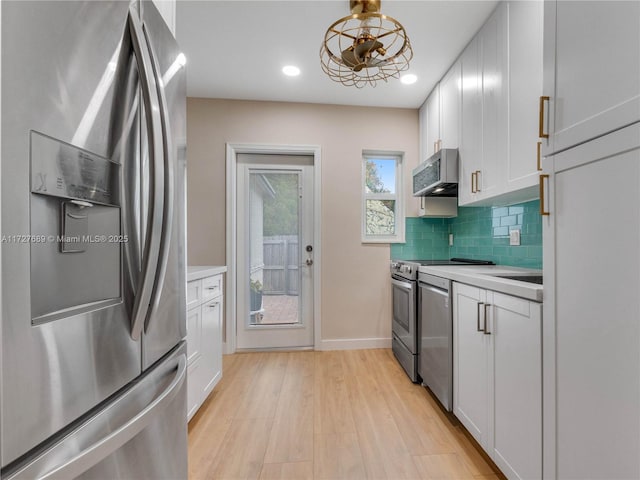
382 200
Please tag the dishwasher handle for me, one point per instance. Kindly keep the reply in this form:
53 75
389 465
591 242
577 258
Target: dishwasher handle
436 290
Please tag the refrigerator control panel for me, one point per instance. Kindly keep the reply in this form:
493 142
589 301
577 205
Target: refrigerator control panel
60 169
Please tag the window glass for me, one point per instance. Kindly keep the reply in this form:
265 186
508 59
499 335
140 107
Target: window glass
382 209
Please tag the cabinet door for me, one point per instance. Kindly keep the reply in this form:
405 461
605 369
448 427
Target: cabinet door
433 121
516 438
194 392
591 69
211 344
194 333
425 151
450 107
525 88
591 310
194 293
470 149
470 374
493 41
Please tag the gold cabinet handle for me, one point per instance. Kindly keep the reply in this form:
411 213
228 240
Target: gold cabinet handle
473 176
541 132
435 147
543 210
539 148
439 144
478 173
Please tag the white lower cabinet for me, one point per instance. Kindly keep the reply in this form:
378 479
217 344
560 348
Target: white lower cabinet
211 338
497 391
471 362
204 339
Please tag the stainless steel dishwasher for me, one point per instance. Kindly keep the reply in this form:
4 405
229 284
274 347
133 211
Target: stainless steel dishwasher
435 334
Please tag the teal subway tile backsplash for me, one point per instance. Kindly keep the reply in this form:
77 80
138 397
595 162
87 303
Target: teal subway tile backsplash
426 238
479 233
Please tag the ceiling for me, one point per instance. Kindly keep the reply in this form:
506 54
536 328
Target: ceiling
236 49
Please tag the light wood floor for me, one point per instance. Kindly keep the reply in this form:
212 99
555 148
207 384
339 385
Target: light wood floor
330 415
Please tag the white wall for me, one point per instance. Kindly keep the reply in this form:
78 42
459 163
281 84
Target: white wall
356 293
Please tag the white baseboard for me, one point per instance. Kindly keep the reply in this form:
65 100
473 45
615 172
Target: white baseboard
342 344
354 343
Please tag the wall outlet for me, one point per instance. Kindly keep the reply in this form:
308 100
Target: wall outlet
514 237
451 239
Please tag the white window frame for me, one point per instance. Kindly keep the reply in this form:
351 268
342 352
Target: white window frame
398 196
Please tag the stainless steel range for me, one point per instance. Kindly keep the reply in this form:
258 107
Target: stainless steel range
405 300
404 296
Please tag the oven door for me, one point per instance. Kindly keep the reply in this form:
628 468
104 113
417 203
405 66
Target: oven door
404 312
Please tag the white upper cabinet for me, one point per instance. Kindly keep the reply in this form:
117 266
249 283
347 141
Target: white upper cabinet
450 87
439 115
470 148
167 9
501 85
493 50
483 137
425 151
525 87
592 70
432 128
439 118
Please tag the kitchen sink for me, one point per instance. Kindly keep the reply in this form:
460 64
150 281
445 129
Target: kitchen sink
524 278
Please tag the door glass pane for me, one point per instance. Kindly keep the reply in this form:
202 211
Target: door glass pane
274 253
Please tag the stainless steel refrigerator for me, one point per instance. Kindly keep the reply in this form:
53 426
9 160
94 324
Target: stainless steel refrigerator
93 362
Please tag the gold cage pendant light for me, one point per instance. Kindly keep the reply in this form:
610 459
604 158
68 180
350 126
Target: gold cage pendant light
365 47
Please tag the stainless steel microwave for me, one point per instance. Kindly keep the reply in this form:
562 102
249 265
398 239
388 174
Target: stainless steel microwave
437 176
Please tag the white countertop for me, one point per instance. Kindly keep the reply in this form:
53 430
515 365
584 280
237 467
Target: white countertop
482 276
198 272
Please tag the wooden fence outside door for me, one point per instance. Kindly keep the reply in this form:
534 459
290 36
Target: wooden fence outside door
281 259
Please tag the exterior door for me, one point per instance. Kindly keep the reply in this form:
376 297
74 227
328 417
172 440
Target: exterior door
275 251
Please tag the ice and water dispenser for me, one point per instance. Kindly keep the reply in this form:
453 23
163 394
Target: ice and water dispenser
76 234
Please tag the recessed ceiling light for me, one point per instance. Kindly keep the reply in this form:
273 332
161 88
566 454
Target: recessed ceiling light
291 71
408 79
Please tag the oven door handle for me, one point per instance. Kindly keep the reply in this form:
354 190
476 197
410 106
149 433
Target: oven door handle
403 285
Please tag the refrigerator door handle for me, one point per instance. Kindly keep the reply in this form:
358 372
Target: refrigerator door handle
152 110
98 451
167 222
